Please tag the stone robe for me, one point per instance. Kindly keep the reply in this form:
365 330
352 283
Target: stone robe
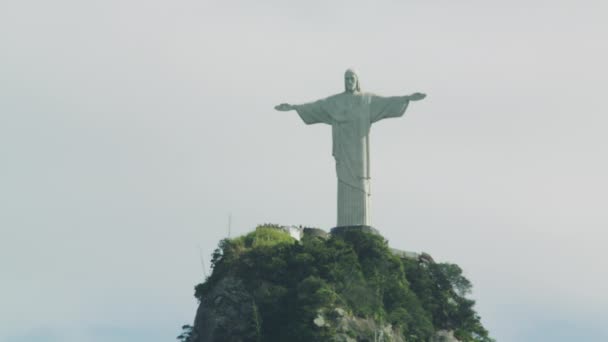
351 116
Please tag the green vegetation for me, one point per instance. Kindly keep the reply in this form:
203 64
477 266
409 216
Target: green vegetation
291 282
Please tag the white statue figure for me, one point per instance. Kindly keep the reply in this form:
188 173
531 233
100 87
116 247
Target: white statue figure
351 115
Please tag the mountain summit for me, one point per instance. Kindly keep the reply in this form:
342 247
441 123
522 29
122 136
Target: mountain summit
275 284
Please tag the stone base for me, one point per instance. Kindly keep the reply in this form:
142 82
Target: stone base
345 229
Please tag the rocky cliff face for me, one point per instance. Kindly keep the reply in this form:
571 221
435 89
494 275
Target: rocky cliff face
228 313
266 286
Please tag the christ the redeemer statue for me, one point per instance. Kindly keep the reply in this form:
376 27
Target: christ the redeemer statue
351 115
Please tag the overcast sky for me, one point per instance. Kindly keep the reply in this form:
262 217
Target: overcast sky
131 130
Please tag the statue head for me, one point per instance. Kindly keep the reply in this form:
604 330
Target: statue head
351 81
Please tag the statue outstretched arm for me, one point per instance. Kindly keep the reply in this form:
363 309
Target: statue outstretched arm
391 107
313 112
415 96
284 107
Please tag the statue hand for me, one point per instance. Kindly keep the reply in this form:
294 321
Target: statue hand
417 96
284 107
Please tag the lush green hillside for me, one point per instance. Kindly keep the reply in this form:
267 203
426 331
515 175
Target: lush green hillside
292 284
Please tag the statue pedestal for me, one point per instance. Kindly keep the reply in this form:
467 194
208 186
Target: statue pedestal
345 229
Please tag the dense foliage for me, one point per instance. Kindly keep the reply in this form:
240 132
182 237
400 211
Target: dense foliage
291 281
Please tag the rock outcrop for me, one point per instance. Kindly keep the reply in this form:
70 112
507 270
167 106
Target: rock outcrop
350 328
227 313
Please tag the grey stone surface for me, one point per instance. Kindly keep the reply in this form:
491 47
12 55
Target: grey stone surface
351 115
